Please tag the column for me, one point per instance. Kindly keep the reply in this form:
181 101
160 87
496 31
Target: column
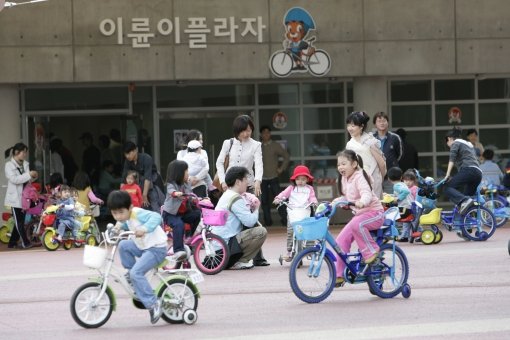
370 95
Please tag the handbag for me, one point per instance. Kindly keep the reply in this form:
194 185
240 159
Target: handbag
216 180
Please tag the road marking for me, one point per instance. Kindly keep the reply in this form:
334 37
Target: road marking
50 275
397 331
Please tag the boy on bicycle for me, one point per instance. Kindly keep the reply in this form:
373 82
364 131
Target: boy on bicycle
149 246
469 174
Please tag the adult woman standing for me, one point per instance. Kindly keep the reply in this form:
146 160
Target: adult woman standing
368 147
243 151
17 173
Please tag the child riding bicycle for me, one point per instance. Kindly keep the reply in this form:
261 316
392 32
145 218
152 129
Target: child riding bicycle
149 246
300 195
355 185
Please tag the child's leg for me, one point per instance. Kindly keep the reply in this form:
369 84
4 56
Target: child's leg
371 220
193 218
290 236
344 241
177 231
406 227
61 229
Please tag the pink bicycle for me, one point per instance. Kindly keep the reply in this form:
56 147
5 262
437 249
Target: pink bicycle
210 252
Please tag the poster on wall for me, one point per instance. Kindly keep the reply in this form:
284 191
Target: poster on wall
299 55
179 138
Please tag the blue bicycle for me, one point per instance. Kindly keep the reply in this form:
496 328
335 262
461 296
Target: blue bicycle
386 276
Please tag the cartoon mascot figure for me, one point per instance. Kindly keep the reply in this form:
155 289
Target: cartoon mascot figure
297 24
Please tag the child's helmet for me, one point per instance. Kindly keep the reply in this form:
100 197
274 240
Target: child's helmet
299 14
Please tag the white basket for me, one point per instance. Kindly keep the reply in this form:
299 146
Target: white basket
93 257
297 214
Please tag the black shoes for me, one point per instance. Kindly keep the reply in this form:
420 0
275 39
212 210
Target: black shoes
261 263
28 246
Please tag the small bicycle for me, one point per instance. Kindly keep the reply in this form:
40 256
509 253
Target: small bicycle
386 276
477 224
294 215
210 252
497 201
282 62
92 303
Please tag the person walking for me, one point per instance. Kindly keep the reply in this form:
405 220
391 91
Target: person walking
18 173
272 152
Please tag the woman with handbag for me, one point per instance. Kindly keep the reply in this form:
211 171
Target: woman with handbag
244 151
177 208
18 174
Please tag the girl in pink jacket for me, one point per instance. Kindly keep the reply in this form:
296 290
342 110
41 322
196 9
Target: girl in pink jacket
300 196
355 185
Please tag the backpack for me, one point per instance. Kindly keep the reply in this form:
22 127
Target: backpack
29 196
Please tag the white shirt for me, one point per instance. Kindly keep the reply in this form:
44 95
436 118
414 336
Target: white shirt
197 166
247 153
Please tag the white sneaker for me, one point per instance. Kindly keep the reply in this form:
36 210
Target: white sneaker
242 265
180 256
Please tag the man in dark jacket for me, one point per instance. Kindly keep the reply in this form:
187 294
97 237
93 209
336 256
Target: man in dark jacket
391 145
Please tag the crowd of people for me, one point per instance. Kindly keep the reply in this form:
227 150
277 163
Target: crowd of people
247 177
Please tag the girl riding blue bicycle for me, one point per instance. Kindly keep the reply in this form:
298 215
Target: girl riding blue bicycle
355 185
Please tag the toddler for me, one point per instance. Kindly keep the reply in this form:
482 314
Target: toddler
198 168
66 213
85 194
403 197
300 195
133 189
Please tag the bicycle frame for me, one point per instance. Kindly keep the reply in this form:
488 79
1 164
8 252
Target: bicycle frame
352 261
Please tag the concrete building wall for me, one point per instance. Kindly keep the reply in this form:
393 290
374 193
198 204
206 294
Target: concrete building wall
10 130
60 40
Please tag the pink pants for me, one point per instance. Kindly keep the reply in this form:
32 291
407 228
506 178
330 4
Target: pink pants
358 229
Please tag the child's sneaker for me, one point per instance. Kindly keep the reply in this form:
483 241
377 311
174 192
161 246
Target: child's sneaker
340 281
59 238
180 256
403 239
242 265
371 258
288 257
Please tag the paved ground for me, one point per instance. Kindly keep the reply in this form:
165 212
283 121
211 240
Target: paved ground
460 290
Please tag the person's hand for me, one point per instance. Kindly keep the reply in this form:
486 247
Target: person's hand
257 188
224 186
140 232
178 193
145 202
100 202
276 201
193 181
34 174
358 204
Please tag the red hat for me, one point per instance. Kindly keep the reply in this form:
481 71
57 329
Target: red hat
301 170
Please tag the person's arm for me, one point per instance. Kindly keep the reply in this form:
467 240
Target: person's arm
449 169
284 194
402 192
365 192
220 161
379 158
312 198
204 169
149 219
243 213
93 198
259 168
12 174
147 176
399 149
139 194
285 155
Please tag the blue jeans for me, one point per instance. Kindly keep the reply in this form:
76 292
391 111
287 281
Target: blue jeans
270 189
467 179
177 223
147 259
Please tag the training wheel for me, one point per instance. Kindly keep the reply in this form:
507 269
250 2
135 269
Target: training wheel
189 316
406 291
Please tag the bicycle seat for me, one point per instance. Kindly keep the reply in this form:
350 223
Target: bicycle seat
432 217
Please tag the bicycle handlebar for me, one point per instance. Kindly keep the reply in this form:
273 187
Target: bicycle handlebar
115 238
330 208
286 203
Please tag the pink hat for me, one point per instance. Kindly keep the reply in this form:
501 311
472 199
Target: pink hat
301 170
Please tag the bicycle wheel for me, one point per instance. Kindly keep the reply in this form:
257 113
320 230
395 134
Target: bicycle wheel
48 240
389 272
177 296
85 311
281 63
5 234
493 206
211 256
319 63
478 224
315 282
31 231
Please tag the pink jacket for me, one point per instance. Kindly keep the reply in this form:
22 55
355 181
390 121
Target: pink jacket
356 188
285 194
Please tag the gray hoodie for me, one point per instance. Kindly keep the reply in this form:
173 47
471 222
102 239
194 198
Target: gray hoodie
462 153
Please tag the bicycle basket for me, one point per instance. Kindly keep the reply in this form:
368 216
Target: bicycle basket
214 217
93 257
310 228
